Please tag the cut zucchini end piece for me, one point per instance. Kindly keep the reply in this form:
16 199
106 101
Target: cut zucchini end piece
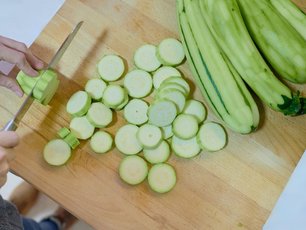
162 178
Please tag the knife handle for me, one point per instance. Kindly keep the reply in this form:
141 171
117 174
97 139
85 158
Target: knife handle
10 126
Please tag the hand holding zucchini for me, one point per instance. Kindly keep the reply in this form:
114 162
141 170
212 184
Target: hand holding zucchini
45 88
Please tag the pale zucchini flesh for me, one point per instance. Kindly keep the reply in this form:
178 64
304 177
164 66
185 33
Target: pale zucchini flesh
81 127
95 88
179 80
99 115
158 154
185 126
101 142
56 152
135 112
133 170
164 73
114 95
78 104
162 113
170 52
195 108
162 178
167 131
173 95
145 58
212 136
149 136
185 148
126 140
111 67
172 85
138 83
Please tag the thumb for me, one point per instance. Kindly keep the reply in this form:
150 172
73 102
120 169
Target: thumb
8 139
10 84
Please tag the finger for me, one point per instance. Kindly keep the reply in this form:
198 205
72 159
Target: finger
3 180
4 168
10 84
3 155
8 139
13 43
19 46
18 58
34 61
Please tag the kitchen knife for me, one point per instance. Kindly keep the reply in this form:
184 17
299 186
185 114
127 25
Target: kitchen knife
13 123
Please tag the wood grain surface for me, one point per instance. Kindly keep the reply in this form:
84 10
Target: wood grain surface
235 188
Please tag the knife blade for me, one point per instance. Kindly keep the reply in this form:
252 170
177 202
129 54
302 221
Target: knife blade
13 123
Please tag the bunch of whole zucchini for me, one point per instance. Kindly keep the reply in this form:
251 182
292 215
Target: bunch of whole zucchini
224 41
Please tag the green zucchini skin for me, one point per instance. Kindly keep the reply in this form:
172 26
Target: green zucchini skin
228 28
281 45
45 88
294 15
219 82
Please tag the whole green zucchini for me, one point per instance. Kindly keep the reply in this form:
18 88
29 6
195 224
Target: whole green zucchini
226 24
282 46
219 82
292 13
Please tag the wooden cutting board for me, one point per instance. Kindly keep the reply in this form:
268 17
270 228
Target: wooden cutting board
235 188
